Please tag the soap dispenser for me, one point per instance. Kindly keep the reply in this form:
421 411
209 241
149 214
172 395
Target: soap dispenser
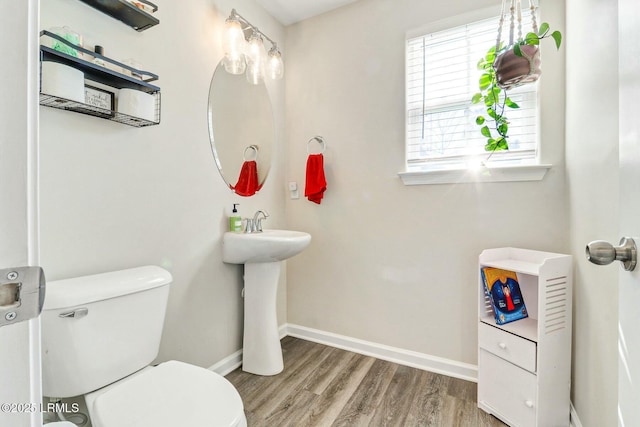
235 221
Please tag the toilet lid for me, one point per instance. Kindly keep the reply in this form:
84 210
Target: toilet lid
171 394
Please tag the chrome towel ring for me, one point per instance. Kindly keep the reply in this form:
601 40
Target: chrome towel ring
319 140
252 155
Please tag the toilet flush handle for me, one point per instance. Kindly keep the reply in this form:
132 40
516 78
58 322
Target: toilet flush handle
78 313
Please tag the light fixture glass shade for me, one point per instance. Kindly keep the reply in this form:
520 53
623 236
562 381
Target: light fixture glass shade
256 56
233 45
234 65
275 67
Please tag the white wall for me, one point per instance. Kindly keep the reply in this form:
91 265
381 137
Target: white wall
388 263
115 197
592 170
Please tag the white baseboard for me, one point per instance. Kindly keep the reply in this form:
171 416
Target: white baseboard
228 364
400 356
575 421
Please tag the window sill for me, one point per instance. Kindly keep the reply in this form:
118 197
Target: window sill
484 174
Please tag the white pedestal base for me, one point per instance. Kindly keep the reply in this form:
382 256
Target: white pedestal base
261 354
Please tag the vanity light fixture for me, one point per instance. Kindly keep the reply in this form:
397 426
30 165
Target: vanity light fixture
249 55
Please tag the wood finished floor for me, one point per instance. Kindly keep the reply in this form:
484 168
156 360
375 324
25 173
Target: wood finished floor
325 386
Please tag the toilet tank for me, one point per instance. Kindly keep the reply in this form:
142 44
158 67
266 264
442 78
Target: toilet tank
98 329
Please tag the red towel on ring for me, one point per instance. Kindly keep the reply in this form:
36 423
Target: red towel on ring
248 180
316 184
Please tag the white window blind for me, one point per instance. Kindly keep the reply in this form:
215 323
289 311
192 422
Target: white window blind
442 76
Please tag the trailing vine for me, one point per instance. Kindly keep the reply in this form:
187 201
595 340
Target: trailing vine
494 125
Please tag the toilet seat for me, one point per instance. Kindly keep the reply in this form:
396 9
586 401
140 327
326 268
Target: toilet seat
171 394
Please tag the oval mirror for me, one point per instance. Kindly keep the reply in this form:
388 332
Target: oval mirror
241 130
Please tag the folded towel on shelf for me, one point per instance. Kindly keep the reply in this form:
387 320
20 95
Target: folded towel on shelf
248 180
316 184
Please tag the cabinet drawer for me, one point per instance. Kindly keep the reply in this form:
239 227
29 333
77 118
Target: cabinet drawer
506 391
513 348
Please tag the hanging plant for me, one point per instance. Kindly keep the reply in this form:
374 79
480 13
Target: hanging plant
504 68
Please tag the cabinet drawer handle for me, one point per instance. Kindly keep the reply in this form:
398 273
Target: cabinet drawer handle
528 403
502 345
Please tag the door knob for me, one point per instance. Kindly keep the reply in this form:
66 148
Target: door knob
602 253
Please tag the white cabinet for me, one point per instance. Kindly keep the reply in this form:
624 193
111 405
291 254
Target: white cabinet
524 367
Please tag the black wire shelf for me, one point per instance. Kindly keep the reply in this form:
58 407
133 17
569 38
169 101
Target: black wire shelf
126 13
91 110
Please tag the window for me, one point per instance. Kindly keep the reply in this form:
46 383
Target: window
442 76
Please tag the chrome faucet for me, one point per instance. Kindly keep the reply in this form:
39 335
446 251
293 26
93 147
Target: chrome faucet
255 225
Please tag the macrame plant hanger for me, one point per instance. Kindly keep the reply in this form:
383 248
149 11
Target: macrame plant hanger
513 70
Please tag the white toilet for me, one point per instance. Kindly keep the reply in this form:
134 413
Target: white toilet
100 332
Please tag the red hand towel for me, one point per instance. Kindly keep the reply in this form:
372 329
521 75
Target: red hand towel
316 184
248 180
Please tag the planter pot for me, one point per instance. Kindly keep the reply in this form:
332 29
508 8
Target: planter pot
513 70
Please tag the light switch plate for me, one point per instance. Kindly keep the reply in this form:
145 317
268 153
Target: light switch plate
293 190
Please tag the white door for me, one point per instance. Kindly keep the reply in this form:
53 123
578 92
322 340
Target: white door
20 391
629 282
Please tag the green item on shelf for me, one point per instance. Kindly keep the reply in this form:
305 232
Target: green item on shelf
69 35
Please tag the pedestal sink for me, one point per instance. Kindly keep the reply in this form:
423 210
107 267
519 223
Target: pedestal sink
262 253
